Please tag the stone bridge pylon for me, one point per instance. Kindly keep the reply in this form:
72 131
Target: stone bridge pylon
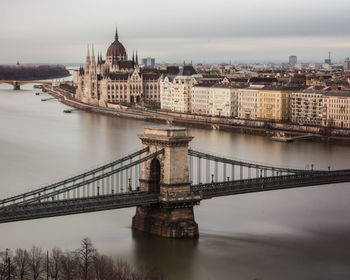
168 176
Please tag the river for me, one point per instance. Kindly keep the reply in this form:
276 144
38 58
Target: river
287 234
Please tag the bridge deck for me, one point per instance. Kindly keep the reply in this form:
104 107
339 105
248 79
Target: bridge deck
75 206
272 183
136 198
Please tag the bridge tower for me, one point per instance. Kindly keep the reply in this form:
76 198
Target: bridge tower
168 176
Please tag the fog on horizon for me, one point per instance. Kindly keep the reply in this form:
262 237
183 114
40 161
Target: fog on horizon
202 31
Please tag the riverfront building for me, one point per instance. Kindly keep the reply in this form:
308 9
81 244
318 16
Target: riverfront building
246 93
220 99
176 91
116 79
223 100
307 107
336 109
248 103
274 104
200 99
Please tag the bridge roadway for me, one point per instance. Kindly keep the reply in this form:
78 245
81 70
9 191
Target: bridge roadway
136 198
272 183
76 206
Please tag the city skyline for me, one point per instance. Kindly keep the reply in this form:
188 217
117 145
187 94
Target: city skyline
204 32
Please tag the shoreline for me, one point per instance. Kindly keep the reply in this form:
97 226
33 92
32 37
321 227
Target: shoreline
39 78
253 127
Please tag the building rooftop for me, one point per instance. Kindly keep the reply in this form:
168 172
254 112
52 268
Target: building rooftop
340 93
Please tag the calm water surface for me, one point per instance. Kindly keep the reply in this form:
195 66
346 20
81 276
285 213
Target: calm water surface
288 234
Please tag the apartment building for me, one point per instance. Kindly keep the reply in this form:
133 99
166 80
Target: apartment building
336 109
223 100
274 103
307 107
200 99
247 99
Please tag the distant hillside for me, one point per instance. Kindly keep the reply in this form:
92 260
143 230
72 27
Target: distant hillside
39 72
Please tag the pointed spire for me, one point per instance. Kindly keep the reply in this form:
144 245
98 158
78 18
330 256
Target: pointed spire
93 52
133 57
116 33
137 58
87 63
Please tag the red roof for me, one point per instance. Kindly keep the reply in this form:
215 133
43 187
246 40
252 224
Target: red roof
116 49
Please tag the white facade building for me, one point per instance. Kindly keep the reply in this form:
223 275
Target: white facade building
200 99
248 99
165 93
176 91
223 100
336 109
181 93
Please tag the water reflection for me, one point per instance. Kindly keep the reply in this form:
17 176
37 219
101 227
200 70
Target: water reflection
174 258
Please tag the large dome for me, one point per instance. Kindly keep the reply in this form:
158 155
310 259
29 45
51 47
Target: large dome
116 49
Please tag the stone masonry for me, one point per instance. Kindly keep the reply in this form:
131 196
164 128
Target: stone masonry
168 175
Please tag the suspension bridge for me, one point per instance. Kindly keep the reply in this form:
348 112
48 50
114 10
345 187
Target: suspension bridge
163 180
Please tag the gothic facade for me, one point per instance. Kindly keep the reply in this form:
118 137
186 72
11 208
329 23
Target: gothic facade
117 79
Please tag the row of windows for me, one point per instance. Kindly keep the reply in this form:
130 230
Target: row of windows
151 96
147 87
337 117
116 96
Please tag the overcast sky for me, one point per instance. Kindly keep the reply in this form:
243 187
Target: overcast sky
174 31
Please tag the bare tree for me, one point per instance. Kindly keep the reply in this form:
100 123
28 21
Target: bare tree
85 263
7 267
103 267
21 260
86 256
36 262
69 266
3 266
123 271
55 263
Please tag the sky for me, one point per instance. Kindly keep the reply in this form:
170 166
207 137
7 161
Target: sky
240 31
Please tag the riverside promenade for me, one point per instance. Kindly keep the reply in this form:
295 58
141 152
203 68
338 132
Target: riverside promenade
258 127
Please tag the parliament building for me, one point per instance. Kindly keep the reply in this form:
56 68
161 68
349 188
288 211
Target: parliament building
116 79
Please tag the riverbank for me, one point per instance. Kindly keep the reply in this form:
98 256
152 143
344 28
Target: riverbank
32 72
256 127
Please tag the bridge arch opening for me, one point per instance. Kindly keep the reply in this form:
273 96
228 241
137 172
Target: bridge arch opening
154 186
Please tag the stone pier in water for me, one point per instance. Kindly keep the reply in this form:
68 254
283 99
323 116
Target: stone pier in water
168 176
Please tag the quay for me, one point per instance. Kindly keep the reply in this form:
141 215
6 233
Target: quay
245 126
